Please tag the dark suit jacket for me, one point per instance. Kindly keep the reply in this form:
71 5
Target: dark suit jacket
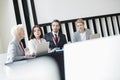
62 41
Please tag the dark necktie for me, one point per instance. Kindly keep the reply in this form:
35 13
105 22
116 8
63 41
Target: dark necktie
22 48
56 39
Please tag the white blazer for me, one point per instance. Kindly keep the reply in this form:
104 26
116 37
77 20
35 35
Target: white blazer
14 51
32 45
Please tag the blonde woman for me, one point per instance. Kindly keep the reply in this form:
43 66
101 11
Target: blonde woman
16 50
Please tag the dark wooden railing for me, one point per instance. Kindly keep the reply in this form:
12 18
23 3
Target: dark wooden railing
105 25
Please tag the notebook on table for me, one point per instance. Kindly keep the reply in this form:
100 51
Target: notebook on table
42 49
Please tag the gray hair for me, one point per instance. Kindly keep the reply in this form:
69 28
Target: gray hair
15 29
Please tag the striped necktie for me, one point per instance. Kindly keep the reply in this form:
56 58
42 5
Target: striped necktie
56 39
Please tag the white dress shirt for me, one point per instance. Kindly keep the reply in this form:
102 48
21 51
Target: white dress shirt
55 33
83 36
32 44
55 36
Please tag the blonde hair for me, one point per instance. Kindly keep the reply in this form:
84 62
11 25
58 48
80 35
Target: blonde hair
15 29
80 20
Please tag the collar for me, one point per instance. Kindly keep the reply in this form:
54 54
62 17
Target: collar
55 33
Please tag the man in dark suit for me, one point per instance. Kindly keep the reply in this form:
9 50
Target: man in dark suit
56 38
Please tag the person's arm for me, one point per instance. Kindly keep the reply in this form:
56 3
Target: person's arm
74 38
31 47
51 50
89 33
11 53
65 40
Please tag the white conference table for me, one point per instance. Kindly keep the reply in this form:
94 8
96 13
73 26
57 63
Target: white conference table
41 68
97 59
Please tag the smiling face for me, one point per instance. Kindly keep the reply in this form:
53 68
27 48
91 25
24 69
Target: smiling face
55 27
37 32
80 27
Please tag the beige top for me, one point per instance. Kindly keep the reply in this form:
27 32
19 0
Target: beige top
32 44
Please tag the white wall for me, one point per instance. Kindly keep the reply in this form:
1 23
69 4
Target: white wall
7 20
1 49
47 10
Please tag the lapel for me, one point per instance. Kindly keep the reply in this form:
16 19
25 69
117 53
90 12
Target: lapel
60 36
19 46
78 36
87 37
51 38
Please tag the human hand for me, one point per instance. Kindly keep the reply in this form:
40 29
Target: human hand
26 49
53 50
33 54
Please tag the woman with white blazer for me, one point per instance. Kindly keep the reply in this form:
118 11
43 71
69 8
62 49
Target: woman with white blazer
36 38
16 51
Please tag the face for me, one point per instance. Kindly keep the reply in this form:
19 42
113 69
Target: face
55 27
21 33
37 32
80 27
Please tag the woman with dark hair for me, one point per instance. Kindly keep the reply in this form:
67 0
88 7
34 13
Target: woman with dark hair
36 38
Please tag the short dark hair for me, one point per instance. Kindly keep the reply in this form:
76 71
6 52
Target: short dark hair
56 20
32 32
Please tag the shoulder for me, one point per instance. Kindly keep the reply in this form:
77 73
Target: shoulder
88 30
47 34
43 40
32 40
76 33
13 44
13 41
61 34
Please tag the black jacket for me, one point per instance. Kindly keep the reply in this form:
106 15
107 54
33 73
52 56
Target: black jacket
62 40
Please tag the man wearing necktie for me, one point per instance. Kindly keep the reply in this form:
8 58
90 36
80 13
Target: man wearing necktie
56 38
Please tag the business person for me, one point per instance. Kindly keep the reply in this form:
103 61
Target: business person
56 38
36 38
16 50
82 33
